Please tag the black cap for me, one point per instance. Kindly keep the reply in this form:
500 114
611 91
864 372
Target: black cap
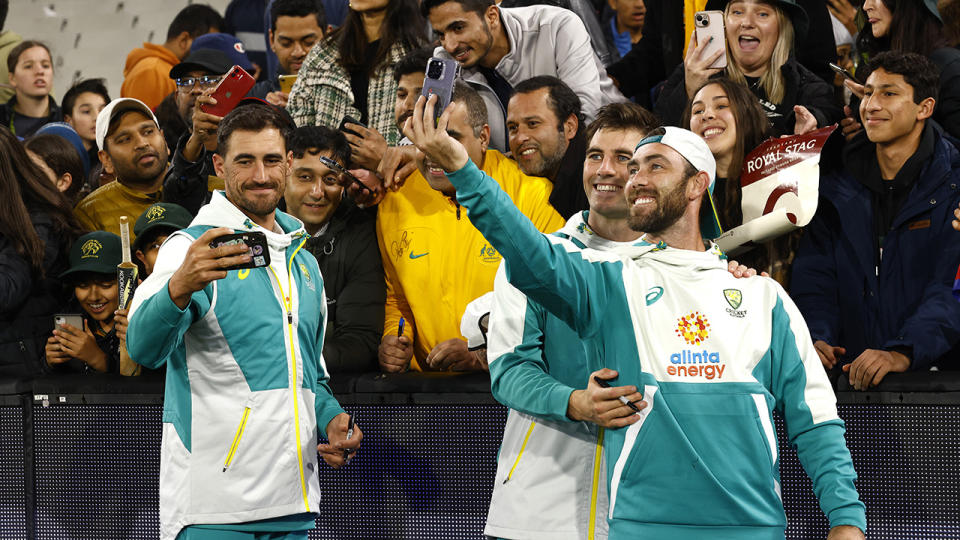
796 14
97 252
209 60
161 215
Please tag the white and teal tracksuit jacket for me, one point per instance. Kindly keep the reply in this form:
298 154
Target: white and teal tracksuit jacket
713 356
551 480
246 385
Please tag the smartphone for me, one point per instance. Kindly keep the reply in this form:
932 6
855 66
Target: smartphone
233 87
286 83
350 120
843 73
439 79
334 166
709 24
256 241
73 319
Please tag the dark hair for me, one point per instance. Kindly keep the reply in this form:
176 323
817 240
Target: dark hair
297 8
753 128
94 86
315 139
560 98
24 188
4 8
62 157
913 29
401 24
415 61
15 52
477 6
251 117
196 20
476 108
918 71
622 116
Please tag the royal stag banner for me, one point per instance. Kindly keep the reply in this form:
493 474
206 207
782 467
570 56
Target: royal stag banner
780 183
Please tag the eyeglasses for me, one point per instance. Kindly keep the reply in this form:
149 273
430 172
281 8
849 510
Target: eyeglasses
185 84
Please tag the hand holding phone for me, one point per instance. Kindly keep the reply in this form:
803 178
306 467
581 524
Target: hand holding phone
256 243
439 79
843 73
347 175
73 319
231 89
710 33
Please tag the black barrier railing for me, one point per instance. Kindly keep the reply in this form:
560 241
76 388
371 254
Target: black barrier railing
79 458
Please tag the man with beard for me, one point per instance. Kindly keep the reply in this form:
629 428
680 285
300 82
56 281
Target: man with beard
434 260
499 47
544 128
711 355
254 379
133 150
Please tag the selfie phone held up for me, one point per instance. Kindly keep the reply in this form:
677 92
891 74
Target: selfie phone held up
256 241
844 73
230 90
350 120
439 79
340 169
709 24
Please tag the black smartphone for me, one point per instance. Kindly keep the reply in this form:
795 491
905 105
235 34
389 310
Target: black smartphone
350 120
334 166
439 79
255 240
843 73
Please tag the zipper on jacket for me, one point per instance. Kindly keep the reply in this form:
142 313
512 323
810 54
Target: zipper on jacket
522 448
236 439
288 305
597 455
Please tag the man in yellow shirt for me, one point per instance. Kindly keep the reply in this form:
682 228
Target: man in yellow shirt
132 148
434 260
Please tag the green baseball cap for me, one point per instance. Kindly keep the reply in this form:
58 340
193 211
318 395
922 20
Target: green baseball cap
166 215
98 252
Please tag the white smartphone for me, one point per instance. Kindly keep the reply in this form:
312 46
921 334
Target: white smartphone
73 319
709 24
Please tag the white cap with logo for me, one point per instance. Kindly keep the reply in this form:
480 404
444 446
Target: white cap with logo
116 107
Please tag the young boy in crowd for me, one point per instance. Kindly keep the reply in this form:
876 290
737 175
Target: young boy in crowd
93 277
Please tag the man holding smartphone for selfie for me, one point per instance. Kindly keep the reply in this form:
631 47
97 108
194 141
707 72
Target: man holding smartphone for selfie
246 393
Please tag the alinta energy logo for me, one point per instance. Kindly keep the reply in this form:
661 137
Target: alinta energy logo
695 330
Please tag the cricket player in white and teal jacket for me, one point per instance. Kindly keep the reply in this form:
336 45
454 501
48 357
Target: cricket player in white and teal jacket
712 355
246 392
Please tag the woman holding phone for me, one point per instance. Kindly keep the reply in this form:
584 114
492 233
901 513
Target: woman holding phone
36 229
759 49
350 73
917 27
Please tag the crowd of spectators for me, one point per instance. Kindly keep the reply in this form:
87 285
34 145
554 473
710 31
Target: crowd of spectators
872 273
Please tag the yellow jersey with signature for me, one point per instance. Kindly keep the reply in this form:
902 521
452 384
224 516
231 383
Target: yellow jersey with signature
436 262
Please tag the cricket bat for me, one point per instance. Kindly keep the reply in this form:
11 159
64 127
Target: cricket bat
126 283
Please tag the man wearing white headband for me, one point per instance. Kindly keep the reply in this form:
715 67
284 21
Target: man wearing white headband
712 355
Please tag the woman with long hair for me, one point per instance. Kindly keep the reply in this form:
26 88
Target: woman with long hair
36 228
733 123
350 73
915 26
759 47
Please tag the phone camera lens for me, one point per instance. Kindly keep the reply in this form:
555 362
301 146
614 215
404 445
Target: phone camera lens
434 69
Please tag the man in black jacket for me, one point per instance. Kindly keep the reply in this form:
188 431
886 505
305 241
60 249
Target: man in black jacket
344 241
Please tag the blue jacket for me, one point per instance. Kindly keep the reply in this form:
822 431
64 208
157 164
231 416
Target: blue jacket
906 303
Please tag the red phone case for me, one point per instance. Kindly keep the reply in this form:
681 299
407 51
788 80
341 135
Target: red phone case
232 88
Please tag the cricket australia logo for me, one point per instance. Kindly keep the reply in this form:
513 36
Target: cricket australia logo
693 328
90 249
734 299
155 212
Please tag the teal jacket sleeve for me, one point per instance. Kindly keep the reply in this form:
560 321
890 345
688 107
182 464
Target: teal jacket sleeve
549 270
807 403
519 374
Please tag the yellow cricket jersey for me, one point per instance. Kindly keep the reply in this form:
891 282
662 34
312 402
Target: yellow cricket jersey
436 262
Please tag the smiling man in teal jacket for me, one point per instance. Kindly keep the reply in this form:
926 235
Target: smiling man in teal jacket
711 354
246 395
